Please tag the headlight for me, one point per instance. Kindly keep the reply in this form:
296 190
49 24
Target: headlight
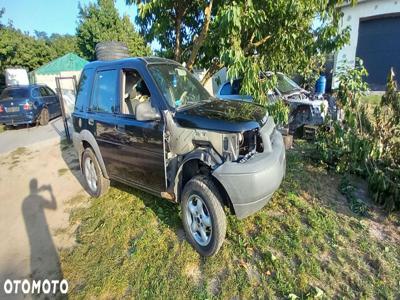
230 146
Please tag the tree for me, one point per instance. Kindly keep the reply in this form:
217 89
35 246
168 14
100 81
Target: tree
99 22
63 44
246 36
176 25
20 49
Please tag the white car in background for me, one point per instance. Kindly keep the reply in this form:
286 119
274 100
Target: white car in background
305 109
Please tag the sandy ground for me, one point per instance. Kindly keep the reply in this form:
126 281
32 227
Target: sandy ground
35 183
25 136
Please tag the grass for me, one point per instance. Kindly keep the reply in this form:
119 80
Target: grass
304 243
62 171
2 128
372 99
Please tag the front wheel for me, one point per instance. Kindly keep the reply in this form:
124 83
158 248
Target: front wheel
203 215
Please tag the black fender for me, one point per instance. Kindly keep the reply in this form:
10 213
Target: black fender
86 136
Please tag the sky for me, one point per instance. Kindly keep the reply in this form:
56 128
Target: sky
51 16
54 16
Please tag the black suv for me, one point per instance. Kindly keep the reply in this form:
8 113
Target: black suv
149 123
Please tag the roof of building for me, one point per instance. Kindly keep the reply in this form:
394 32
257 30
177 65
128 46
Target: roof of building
68 62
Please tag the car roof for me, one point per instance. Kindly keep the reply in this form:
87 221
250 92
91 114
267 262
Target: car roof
138 60
29 86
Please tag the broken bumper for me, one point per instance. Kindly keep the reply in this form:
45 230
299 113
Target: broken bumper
251 184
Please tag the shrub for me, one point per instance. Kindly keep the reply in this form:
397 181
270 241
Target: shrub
364 142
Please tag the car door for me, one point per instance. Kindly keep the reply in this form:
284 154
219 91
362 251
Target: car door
140 143
101 115
44 94
53 99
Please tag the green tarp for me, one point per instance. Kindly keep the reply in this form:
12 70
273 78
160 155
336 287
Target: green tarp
68 62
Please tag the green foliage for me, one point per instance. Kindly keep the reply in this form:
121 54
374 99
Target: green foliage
19 49
246 36
280 111
366 143
62 44
356 205
100 22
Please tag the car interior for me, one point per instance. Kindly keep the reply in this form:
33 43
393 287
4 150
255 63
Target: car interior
134 90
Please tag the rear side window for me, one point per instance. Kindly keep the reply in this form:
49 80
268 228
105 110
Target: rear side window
43 92
226 89
35 92
83 90
15 93
49 91
105 91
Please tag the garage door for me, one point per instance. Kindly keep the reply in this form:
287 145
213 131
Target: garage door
379 47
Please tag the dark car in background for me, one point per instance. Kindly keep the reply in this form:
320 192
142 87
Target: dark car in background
28 104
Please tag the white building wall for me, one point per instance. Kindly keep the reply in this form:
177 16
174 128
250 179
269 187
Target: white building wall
351 18
50 80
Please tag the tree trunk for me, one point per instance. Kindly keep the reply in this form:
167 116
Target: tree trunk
210 72
178 24
198 42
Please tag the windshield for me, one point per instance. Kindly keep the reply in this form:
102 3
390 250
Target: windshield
286 85
178 85
14 93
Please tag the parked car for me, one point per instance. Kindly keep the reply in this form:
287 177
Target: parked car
147 122
28 104
305 109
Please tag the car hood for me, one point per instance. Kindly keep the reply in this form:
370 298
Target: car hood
223 115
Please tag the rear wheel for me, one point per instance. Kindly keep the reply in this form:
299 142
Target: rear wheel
44 117
203 215
96 183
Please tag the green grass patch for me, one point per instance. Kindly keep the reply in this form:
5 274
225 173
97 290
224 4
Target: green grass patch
62 171
305 242
372 99
2 128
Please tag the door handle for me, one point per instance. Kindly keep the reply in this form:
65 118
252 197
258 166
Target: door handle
91 121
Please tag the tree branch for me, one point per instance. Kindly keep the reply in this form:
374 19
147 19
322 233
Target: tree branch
198 42
256 44
215 67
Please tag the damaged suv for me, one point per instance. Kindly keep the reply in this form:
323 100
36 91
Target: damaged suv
148 123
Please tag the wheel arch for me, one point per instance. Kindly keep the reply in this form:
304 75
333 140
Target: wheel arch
85 139
198 163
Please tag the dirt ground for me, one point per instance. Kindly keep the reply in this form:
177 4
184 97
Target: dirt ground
35 183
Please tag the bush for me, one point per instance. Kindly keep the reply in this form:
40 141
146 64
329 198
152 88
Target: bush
366 142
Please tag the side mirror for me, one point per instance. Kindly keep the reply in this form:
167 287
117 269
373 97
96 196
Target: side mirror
145 112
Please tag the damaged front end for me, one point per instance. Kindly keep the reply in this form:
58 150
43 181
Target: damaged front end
227 157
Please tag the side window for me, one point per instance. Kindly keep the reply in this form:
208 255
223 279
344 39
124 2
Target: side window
105 91
83 90
236 87
43 92
226 89
134 91
35 92
49 91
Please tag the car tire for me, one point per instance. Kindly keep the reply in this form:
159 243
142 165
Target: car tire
203 216
44 117
97 185
111 51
